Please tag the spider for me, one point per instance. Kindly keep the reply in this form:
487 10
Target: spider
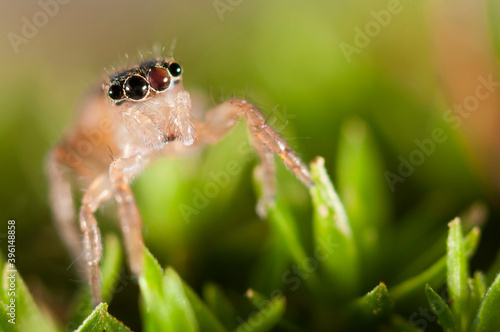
140 114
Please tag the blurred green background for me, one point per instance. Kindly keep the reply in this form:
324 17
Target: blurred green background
285 53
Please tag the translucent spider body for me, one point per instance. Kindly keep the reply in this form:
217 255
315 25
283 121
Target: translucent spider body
140 114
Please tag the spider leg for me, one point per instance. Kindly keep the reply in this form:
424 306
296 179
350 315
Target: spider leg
121 173
265 173
62 206
98 192
265 140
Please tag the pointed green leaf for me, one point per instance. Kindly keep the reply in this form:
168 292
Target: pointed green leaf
181 316
479 284
375 304
266 318
435 273
220 305
5 325
96 321
152 273
151 285
111 266
440 309
274 260
204 316
471 241
151 277
100 320
284 225
28 316
457 269
256 298
282 220
332 232
487 318
477 288
259 301
164 306
361 185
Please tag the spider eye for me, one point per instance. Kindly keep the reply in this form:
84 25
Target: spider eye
175 69
158 79
136 87
115 92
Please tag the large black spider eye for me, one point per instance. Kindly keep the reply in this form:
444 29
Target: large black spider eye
136 87
175 69
115 92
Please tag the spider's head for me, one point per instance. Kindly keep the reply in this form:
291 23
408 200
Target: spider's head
144 82
152 102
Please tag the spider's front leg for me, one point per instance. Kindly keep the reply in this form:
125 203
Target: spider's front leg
121 173
104 187
62 205
98 192
265 140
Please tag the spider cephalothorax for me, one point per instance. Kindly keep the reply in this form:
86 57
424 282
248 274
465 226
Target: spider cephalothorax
153 103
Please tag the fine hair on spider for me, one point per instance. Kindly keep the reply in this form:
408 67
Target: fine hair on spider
138 114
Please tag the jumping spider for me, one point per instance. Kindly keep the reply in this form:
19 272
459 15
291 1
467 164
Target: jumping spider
137 115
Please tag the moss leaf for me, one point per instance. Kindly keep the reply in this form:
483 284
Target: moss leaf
333 232
457 268
487 318
204 316
100 320
440 309
165 306
28 316
362 186
266 318
375 304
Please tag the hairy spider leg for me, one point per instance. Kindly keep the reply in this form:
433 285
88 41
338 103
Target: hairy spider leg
62 206
265 140
98 192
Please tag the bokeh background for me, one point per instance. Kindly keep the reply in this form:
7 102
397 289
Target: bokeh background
283 54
